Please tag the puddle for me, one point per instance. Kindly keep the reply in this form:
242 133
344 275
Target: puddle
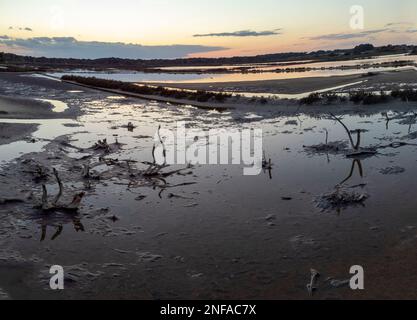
59 106
48 130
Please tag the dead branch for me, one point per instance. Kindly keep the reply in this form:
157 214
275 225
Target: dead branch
131 174
357 150
68 145
86 171
61 187
102 145
312 286
347 130
47 206
340 199
396 144
86 174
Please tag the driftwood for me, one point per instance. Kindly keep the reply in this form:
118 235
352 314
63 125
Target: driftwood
340 199
267 165
102 145
396 144
39 173
312 286
54 205
130 126
86 174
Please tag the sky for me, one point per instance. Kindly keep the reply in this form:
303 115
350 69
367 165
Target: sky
198 28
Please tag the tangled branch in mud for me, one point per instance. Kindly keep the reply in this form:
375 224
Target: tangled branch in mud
340 199
267 165
312 286
86 174
334 147
48 206
357 150
102 145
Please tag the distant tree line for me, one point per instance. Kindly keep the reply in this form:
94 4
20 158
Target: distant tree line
361 51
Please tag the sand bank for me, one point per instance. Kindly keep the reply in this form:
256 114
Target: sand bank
302 85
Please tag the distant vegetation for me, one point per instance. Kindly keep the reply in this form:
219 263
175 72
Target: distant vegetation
200 96
361 51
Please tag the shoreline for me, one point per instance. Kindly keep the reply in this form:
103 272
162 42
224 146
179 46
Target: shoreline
283 106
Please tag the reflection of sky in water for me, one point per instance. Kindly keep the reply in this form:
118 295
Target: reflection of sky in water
58 106
209 78
48 129
104 119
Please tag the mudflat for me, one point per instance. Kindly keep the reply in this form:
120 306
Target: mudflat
301 85
10 132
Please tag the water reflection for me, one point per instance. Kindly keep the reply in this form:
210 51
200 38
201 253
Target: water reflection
58 225
355 163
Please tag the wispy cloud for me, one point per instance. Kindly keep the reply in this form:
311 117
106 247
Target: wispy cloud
347 36
69 47
398 24
242 33
21 28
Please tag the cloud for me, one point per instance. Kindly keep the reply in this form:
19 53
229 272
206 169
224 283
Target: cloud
411 31
21 28
346 36
242 33
69 47
396 24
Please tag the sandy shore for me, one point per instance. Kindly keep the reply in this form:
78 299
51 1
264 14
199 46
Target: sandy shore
297 86
289 107
27 104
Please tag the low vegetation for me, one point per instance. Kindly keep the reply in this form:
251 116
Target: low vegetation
200 96
360 97
405 95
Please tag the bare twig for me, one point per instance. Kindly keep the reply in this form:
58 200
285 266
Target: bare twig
347 130
54 205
